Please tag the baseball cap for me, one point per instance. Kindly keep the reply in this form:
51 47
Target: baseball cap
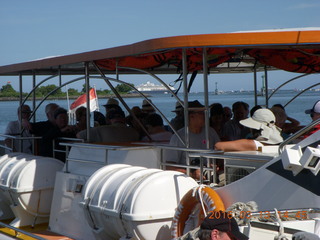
314 109
223 222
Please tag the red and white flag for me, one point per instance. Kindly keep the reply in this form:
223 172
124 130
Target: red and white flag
82 101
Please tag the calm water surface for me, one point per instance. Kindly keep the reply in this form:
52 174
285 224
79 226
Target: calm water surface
166 104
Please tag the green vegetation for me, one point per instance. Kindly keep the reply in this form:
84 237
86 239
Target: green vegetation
7 91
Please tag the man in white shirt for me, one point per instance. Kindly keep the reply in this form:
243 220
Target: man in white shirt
14 128
197 139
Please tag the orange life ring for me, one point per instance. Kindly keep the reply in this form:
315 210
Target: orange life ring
210 199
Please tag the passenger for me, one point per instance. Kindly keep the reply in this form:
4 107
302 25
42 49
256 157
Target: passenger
81 118
154 124
14 128
147 107
288 124
134 122
59 130
178 121
233 130
118 131
255 108
216 118
40 128
197 137
264 132
315 115
227 114
219 225
99 119
112 103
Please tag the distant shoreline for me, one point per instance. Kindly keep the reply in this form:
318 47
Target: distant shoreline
129 95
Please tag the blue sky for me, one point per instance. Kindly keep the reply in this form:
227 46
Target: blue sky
36 28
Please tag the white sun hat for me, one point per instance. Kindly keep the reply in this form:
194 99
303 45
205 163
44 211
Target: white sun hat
264 120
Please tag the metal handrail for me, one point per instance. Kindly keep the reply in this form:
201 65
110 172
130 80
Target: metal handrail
298 134
193 153
19 231
17 137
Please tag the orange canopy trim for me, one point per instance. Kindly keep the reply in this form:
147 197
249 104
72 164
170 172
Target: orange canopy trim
293 60
173 57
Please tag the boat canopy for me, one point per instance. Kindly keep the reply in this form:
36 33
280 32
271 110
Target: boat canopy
296 50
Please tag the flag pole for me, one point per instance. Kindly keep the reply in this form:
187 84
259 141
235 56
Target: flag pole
97 102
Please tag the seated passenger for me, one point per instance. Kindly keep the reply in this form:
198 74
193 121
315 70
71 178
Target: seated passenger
288 124
233 130
197 136
14 128
147 107
112 103
216 118
154 124
264 132
40 128
99 119
136 119
315 115
59 130
118 131
81 118
227 114
178 121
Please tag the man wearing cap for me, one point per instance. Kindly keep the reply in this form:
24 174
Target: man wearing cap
14 128
197 137
220 225
264 131
315 115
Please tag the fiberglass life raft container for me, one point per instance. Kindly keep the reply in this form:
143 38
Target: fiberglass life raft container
26 187
122 201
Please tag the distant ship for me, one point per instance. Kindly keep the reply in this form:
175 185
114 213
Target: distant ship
150 87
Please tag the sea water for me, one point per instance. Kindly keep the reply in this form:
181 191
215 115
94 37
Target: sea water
166 104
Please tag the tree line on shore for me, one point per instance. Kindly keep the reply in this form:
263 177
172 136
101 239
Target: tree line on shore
7 91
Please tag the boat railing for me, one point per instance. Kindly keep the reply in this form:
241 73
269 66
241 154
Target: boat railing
298 134
5 148
106 148
18 233
64 149
235 165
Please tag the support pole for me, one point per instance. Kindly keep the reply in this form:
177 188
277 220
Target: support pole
266 86
206 97
87 81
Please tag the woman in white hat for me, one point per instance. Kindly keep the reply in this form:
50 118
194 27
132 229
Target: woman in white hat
264 131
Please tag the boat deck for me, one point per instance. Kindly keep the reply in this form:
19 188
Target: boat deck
40 231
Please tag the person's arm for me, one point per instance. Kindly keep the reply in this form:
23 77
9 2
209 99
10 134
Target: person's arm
179 169
236 145
292 126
